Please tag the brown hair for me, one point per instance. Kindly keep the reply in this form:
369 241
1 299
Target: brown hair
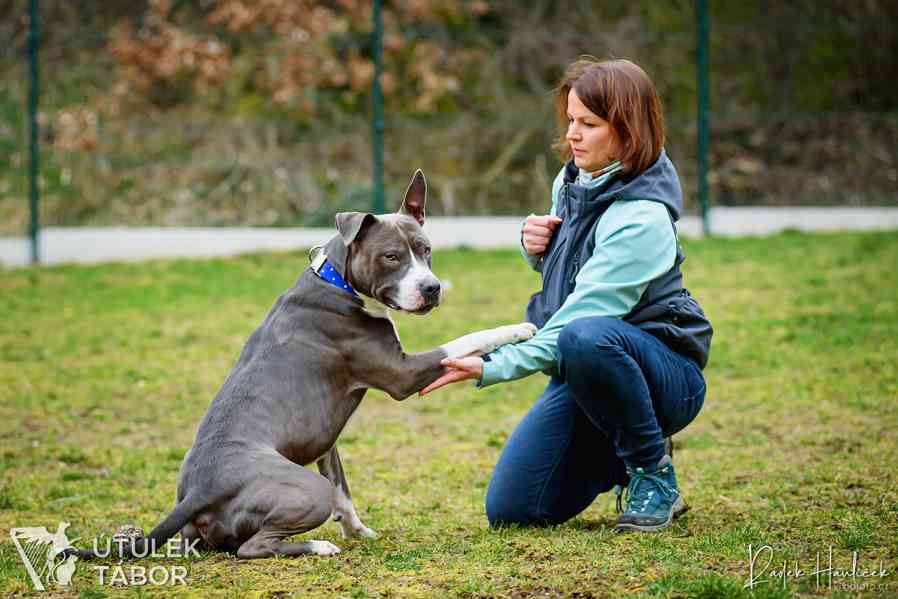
620 92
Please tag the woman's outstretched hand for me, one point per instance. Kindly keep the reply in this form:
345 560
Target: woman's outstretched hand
537 233
457 369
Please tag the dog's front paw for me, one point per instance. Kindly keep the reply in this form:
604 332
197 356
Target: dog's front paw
359 531
514 333
523 331
510 333
483 342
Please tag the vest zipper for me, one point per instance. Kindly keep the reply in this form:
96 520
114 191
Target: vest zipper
576 261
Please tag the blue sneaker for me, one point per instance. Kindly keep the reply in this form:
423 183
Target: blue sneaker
653 499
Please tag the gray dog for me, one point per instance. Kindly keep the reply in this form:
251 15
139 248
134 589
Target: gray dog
301 375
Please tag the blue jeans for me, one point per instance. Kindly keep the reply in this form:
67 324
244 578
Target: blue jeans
620 392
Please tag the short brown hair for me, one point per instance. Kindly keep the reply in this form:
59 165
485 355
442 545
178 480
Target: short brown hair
620 92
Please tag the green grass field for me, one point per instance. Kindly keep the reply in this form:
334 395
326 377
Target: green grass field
105 372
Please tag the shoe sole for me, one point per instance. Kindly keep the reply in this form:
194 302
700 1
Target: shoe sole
679 507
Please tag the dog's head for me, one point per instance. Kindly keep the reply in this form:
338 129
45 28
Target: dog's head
389 255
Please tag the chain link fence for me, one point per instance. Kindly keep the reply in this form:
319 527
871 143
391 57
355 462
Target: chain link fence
802 111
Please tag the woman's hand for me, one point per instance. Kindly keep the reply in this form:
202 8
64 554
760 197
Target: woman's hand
457 369
537 233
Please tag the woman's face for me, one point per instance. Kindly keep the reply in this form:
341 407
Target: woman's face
594 142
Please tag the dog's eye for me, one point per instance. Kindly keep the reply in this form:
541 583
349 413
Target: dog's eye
391 257
427 251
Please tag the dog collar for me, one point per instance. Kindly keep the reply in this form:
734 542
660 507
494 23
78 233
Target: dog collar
322 267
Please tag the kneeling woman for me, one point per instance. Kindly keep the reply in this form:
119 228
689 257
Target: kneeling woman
623 341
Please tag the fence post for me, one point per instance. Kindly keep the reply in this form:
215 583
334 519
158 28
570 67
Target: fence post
377 125
33 149
703 109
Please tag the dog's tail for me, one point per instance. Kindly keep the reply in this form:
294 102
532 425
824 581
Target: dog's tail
183 513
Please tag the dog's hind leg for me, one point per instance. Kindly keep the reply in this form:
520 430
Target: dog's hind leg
269 543
286 501
192 540
344 511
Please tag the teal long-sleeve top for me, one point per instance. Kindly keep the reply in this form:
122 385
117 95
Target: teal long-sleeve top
634 244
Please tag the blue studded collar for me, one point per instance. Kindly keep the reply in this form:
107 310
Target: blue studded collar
322 267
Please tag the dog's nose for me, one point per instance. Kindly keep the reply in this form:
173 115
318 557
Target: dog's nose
431 290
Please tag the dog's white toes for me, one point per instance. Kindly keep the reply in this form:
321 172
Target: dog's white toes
362 531
323 548
525 331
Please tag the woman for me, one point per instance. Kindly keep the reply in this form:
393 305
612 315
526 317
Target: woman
623 341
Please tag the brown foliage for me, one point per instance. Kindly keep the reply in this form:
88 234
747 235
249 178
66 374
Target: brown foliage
160 54
304 52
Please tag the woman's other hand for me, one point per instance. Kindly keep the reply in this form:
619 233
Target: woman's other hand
457 369
537 233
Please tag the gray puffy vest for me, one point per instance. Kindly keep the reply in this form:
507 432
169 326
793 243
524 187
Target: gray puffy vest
666 309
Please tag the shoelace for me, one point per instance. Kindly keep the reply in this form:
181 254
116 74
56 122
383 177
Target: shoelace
635 479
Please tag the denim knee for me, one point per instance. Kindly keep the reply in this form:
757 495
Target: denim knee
581 340
504 507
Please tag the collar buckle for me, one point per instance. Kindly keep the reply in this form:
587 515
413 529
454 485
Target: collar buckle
318 262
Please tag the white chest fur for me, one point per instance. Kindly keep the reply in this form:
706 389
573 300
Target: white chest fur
378 310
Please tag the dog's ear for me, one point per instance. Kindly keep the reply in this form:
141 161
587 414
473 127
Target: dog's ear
413 204
350 224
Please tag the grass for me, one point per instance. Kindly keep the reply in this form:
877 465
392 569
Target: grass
105 371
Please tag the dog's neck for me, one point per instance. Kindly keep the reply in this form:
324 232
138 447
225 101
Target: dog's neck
337 254
375 308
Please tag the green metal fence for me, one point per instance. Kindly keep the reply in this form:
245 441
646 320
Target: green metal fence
774 104
33 148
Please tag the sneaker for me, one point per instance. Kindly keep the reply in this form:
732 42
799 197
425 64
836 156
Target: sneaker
653 499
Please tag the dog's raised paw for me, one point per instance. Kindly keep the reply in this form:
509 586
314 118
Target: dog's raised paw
323 548
524 331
